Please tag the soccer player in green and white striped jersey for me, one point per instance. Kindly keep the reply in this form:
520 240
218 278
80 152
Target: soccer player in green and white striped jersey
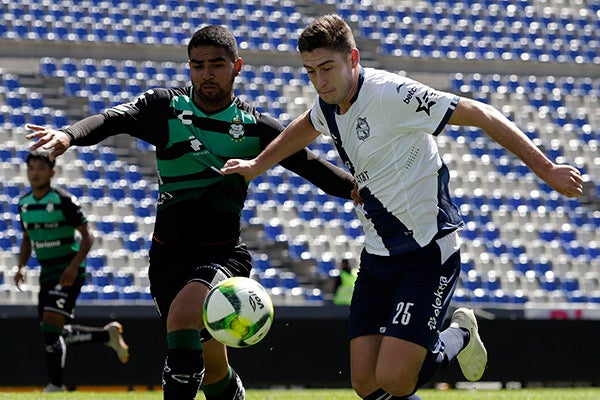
50 218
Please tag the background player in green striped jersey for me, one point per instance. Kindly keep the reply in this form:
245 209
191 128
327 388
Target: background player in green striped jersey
50 218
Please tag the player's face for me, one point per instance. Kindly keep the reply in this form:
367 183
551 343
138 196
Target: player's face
39 174
334 75
212 74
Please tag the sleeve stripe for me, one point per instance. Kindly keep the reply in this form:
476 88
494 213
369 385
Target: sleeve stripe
449 112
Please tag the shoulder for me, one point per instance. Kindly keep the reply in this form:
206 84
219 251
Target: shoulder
385 85
65 197
264 121
25 198
381 78
160 96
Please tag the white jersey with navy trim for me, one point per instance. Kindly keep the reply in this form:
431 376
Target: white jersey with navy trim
386 141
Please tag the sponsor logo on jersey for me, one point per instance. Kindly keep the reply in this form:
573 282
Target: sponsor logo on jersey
425 103
363 131
46 245
438 302
409 94
236 130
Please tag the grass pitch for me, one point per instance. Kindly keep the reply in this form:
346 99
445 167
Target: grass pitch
323 394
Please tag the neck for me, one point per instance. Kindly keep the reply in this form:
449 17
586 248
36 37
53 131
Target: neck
41 192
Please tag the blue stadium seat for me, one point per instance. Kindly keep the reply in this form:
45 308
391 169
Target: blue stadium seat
10 82
48 67
89 292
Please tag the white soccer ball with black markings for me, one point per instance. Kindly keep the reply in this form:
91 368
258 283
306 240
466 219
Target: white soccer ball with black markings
238 312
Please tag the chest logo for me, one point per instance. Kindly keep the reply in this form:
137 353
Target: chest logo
50 207
363 131
185 116
236 129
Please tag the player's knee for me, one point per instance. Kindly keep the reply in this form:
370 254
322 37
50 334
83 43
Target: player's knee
363 386
398 385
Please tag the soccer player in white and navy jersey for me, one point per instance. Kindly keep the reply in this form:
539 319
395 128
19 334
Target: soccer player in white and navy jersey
384 128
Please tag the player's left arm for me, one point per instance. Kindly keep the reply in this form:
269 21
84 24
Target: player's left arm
565 179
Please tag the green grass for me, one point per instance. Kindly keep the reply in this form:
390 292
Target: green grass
328 394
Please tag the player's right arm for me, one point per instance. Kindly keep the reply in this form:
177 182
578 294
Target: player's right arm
296 136
24 255
565 179
145 118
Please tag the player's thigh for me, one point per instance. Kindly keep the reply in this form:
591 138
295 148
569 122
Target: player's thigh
364 351
185 311
56 299
398 365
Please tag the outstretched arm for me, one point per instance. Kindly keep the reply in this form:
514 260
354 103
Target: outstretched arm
565 179
297 135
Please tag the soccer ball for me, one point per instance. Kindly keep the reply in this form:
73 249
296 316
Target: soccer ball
238 312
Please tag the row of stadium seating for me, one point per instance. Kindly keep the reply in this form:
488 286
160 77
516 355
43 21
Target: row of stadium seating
531 247
106 184
505 30
263 24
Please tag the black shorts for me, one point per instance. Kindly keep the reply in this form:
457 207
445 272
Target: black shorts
171 269
59 299
404 296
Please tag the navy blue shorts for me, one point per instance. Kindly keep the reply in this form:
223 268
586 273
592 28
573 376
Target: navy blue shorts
405 296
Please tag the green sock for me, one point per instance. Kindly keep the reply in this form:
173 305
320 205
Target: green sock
184 339
49 328
218 387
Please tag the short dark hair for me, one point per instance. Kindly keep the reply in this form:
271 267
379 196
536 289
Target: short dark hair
44 157
215 35
329 32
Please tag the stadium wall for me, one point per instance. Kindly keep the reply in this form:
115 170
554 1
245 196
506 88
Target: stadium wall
306 347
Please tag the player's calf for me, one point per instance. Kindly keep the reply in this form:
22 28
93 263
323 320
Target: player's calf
229 388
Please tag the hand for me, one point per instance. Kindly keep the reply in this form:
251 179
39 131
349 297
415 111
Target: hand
48 138
20 278
566 180
69 275
355 195
246 168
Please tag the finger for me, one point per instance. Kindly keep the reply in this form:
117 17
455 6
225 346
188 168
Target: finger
226 170
35 127
35 135
57 152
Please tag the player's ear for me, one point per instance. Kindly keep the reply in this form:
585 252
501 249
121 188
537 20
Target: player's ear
355 57
237 65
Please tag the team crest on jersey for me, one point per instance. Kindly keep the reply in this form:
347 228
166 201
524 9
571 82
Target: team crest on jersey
363 131
50 207
236 130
